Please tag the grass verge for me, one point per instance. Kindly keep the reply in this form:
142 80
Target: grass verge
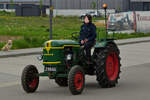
35 30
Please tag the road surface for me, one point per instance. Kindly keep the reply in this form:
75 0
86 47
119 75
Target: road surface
133 85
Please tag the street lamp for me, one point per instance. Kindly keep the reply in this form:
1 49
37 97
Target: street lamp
105 9
97 7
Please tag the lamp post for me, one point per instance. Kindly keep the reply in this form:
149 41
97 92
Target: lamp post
51 20
105 9
97 7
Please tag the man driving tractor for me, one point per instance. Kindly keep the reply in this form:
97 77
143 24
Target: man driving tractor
88 36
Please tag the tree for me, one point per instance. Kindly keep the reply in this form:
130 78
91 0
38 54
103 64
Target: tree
11 4
93 5
118 9
41 7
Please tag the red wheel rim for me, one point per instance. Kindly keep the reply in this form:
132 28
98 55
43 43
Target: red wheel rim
112 66
33 83
78 80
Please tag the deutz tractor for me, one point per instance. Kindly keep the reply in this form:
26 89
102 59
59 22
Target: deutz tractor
65 61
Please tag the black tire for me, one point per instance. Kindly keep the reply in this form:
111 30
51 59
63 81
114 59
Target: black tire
63 82
30 79
108 66
76 80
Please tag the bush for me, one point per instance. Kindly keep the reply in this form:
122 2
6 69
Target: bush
1 45
20 44
5 13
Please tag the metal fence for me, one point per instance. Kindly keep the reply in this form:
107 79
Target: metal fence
77 4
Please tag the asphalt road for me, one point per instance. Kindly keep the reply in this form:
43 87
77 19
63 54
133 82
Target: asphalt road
133 85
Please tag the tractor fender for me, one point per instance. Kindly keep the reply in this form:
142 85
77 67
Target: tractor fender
103 44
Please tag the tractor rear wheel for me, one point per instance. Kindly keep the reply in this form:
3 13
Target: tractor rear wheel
76 80
63 82
30 79
108 66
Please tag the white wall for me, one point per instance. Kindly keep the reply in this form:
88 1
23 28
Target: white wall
75 12
143 21
8 10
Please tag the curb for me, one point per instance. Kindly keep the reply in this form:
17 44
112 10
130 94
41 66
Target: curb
20 54
39 52
133 42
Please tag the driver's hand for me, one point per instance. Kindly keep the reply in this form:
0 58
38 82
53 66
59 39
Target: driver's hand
85 40
82 42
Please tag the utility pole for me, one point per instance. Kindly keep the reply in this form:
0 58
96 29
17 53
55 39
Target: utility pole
97 6
51 20
105 9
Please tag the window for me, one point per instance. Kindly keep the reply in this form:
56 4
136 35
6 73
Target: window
11 6
146 6
1 6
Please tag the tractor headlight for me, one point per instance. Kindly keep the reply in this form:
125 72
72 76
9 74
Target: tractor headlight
69 56
40 57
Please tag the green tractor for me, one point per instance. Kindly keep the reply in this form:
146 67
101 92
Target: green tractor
66 63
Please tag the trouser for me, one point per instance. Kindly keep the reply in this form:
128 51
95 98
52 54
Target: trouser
87 47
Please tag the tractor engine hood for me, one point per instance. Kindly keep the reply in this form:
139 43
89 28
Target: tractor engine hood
60 43
53 50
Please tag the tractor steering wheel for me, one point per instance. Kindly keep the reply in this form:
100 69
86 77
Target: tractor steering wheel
75 35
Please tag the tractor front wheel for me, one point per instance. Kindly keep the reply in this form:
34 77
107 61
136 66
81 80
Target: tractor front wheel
30 79
76 80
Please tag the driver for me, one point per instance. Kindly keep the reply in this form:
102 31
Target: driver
88 36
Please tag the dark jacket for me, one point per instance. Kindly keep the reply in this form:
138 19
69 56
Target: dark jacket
88 31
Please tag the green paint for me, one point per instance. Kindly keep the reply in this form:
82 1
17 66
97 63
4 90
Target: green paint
43 74
62 75
61 43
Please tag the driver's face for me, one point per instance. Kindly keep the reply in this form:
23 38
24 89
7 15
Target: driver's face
86 20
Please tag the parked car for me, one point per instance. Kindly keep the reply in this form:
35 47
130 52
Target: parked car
92 13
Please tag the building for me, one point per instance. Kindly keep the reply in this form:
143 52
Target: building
140 5
119 5
12 4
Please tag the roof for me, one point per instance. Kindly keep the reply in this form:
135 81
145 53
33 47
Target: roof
45 2
140 0
19 0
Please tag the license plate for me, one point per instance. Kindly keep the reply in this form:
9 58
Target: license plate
50 69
